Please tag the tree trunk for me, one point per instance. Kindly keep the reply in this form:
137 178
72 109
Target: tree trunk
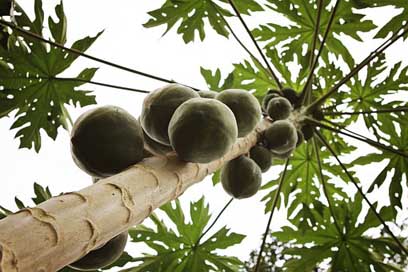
65 228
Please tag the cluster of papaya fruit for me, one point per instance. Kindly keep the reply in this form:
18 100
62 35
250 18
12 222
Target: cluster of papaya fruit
197 126
241 177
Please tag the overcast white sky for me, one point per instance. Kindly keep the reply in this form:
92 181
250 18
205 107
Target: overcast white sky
125 41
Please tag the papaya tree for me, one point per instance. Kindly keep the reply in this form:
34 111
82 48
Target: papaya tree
300 103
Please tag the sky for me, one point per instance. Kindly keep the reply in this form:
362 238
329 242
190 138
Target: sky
125 41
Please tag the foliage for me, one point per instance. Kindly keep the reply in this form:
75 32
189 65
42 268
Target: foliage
343 240
29 77
192 15
183 249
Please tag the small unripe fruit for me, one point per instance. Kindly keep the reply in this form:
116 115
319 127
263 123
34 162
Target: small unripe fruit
202 130
308 132
279 108
261 156
241 177
267 98
158 108
103 256
245 107
207 94
292 96
281 136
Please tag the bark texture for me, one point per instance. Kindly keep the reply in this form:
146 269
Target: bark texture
61 230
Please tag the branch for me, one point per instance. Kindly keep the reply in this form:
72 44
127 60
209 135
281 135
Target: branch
399 109
275 202
400 245
256 44
65 228
77 52
359 138
355 70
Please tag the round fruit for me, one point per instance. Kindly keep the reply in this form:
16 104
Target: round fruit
245 108
292 96
267 98
301 138
202 130
318 114
261 156
103 256
241 177
156 148
281 136
207 94
279 108
106 140
282 156
308 131
158 108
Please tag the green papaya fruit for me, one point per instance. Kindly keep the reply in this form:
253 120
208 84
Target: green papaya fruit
106 140
279 108
207 94
281 136
282 156
301 138
202 130
158 108
103 256
241 177
261 156
156 148
267 98
245 107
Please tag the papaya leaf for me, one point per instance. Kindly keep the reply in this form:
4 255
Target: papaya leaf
181 249
301 177
396 168
397 21
29 79
347 247
193 15
299 33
